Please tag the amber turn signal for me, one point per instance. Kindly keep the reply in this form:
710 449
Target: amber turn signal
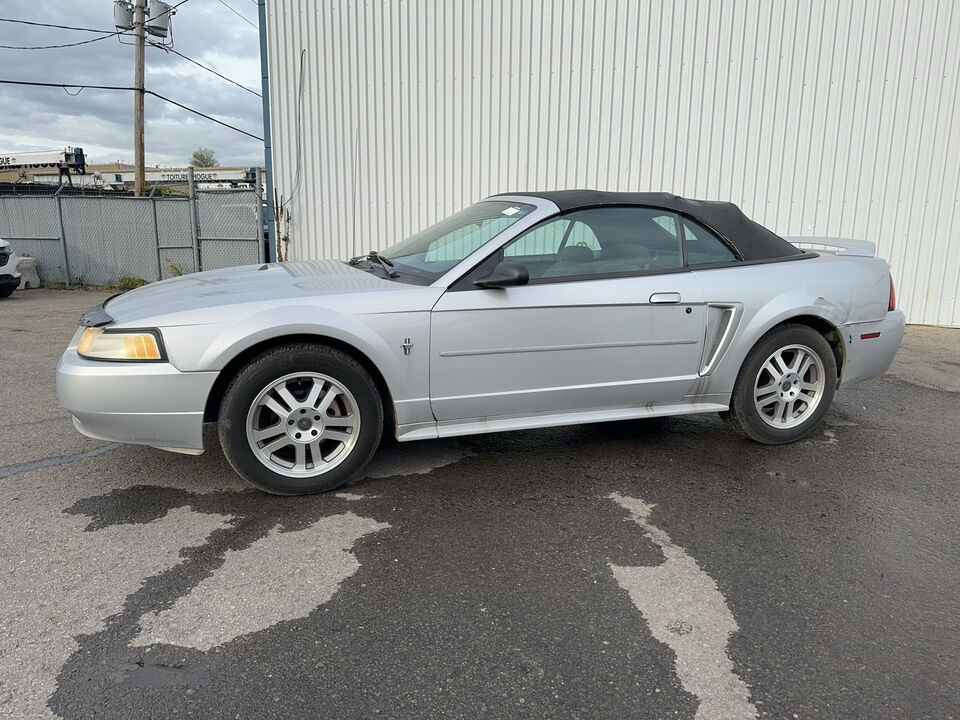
96 344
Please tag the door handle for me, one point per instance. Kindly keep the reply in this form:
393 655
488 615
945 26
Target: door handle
665 298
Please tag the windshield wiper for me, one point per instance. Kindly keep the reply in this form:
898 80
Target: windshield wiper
373 255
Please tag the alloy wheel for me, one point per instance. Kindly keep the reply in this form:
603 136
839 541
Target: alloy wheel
789 386
303 424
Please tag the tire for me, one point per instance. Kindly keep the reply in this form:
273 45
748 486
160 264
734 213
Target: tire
7 291
785 386
300 419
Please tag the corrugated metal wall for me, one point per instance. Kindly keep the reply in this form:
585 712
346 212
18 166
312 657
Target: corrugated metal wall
818 118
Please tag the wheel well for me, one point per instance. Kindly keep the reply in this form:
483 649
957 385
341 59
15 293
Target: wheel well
211 410
829 332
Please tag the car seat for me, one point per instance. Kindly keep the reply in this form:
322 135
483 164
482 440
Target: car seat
571 260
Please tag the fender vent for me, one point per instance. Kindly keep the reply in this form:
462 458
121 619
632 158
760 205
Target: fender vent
722 321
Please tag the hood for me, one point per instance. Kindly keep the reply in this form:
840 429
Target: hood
322 282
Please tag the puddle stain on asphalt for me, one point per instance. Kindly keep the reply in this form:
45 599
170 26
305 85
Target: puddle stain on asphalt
686 611
283 576
158 675
247 518
550 658
46 602
248 531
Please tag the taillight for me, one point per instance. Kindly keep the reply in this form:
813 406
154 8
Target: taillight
892 305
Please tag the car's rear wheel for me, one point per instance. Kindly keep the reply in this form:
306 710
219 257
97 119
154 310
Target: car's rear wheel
785 386
300 419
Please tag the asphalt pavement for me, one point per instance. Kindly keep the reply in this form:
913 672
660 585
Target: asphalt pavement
653 569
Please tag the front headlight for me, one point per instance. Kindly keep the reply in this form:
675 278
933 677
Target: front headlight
134 345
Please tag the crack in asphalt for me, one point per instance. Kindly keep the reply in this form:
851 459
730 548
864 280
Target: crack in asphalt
11 470
58 418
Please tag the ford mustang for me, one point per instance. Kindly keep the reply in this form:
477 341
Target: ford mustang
523 310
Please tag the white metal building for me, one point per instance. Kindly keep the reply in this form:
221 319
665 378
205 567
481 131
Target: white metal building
817 118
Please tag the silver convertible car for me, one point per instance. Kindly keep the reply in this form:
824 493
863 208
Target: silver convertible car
521 311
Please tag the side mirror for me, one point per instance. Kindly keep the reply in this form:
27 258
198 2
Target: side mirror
505 274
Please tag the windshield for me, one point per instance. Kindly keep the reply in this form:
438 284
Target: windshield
431 252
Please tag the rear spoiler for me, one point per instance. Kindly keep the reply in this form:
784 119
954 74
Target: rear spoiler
842 246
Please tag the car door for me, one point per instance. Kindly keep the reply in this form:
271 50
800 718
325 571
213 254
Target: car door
609 318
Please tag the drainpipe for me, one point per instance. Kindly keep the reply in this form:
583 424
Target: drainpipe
267 144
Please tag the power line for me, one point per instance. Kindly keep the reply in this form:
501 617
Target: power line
52 25
64 87
208 69
208 117
112 32
64 45
238 14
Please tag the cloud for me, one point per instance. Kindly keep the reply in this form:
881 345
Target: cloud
102 121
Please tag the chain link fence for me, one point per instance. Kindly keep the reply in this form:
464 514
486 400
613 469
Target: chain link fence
32 227
229 224
97 240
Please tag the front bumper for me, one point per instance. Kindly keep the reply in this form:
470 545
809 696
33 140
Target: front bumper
145 403
9 281
869 347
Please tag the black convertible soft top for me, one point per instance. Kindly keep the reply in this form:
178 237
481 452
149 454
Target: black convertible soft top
751 240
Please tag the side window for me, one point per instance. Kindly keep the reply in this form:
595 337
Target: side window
582 236
542 240
703 246
600 241
551 239
668 223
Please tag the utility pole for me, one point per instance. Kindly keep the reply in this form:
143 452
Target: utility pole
139 182
131 15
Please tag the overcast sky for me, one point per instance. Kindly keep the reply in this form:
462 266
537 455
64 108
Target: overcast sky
101 122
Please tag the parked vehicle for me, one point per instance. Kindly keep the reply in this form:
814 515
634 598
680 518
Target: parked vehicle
521 311
9 269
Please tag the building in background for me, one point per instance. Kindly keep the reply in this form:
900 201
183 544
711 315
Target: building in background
67 162
826 118
120 176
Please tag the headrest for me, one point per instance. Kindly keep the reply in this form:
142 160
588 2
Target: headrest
575 253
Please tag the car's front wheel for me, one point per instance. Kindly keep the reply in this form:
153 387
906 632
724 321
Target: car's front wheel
300 419
785 386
